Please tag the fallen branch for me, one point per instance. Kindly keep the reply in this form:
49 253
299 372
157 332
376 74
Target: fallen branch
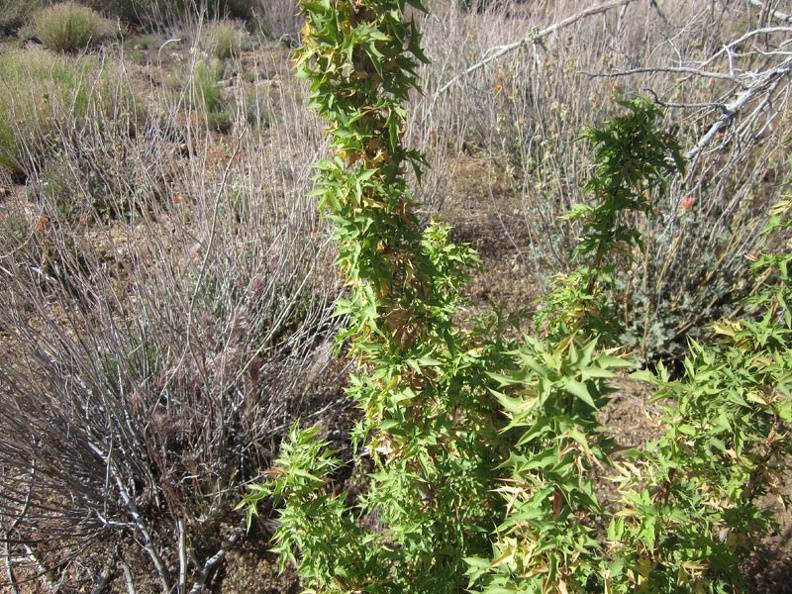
730 110
668 69
534 37
212 561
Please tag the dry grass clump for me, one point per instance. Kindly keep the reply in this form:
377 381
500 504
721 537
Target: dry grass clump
279 19
164 15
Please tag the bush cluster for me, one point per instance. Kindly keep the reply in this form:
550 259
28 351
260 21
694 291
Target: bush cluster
526 111
14 14
486 449
276 18
164 14
50 98
162 319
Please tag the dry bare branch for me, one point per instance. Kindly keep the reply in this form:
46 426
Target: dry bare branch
495 53
763 83
776 14
212 561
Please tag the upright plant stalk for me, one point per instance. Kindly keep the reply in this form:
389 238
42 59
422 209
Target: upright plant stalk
480 447
429 504
633 160
360 58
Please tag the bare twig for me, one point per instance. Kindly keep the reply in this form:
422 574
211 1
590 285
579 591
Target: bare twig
12 582
182 556
130 582
728 48
140 524
42 572
14 524
534 37
668 69
101 584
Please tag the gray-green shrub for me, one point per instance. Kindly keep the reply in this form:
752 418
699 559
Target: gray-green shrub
71 27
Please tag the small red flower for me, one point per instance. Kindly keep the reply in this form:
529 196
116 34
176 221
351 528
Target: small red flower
688 202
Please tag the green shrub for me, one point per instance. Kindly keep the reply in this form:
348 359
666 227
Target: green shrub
50 99
224 40
726 449
486 450
206 97
15 14
43 89
70 27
